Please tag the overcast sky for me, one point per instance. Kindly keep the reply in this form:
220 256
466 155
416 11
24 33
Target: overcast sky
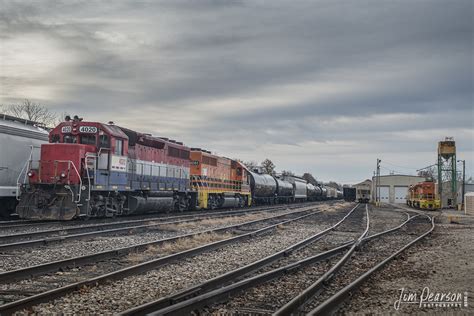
318 86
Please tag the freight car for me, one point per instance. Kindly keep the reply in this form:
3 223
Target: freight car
264 188
349 194
331 193
17 138
314 193
299 188
423 195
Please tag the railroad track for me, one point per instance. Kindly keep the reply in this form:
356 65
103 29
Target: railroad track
24 226
18 225
220 289
29 239
28 290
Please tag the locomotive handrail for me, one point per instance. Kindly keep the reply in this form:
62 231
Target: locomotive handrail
27 163
69 162
90 155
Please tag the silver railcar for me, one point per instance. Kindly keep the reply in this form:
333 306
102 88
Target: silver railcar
17 138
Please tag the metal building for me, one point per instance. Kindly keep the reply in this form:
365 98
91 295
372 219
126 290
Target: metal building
469 203
394 188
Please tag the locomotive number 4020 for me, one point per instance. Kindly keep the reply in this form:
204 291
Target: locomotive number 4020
88 129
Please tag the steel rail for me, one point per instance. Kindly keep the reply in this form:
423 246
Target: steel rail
198 300
316 287
102 227
154 217
229 276
122 219
58 239
9 224
331 304
27 302
27 272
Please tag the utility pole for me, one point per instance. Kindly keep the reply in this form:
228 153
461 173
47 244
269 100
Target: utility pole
463 181
377 187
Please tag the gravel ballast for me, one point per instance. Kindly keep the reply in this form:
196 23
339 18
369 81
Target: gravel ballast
136 290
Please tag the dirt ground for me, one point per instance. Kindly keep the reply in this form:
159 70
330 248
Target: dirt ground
441 263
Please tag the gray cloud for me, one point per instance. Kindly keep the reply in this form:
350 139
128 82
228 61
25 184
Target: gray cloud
317 85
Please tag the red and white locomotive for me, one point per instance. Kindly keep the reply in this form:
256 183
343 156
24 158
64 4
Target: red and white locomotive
94 169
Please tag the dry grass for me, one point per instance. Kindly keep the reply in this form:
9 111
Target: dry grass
213 222
181 244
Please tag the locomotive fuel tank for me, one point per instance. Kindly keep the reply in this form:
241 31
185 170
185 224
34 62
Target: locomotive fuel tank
154 202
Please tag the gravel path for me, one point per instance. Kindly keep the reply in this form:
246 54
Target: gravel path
135 290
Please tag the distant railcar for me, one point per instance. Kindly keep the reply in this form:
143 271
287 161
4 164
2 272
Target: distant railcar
349 194
299 188
314 192
363 195
19 138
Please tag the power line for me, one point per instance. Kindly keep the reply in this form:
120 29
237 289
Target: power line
395 165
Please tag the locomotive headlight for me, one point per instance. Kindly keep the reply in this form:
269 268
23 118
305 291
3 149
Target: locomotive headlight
63 175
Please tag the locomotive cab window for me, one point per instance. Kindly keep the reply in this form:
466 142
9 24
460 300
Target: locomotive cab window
88 139
55 138
70 139
118 147
104 141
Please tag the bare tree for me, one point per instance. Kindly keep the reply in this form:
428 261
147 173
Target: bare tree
334 185
268 166
33 111
287 173
428 173
250 164
309 177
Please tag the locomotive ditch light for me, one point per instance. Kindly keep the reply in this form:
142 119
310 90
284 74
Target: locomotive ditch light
63 175
31 173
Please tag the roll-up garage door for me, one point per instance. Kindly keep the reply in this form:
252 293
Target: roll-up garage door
384 194
401 194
